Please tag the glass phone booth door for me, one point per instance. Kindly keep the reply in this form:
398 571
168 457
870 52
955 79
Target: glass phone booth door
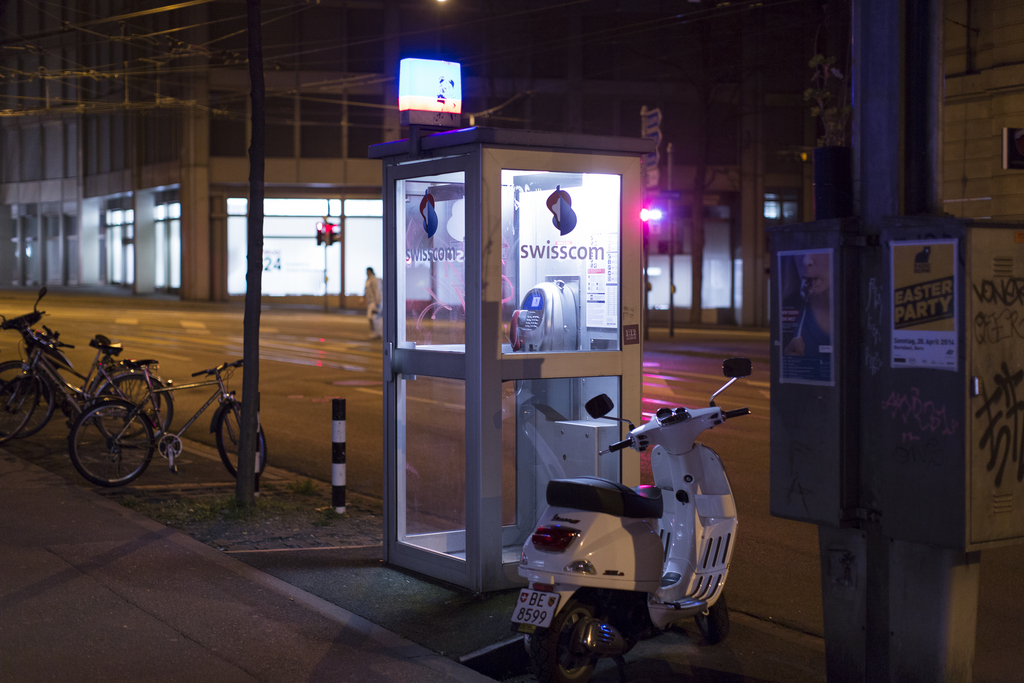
428 390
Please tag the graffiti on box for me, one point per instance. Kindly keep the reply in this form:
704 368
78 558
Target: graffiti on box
1002 427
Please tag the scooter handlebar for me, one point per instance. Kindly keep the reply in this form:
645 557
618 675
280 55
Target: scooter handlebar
620 445
727 414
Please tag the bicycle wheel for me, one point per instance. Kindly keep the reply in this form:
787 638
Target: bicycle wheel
111 443
132 387
43 410
229 431
18 399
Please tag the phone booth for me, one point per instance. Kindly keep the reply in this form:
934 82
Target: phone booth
513 294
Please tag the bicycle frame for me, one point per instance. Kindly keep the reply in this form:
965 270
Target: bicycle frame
220 395
40 363
95 441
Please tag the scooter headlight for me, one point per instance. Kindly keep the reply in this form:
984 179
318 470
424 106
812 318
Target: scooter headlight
580 567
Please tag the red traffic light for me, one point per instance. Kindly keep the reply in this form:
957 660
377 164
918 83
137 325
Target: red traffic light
327 233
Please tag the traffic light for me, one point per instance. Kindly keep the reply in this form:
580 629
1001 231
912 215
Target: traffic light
327 232
651 214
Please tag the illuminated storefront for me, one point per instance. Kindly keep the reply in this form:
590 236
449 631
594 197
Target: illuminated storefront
293 263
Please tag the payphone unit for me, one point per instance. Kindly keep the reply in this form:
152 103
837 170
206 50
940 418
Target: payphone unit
548 319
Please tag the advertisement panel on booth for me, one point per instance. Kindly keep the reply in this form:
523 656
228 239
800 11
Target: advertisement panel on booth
560 237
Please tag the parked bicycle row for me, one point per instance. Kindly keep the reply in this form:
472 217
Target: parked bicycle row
119 413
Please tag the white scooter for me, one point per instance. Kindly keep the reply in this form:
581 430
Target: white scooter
609 565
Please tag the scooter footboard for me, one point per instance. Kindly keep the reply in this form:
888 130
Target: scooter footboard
713 559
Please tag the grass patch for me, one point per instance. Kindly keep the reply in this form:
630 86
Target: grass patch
191 510
306 487
294 502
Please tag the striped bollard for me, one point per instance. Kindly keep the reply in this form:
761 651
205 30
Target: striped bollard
338 455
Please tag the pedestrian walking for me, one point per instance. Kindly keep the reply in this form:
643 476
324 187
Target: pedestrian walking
372 298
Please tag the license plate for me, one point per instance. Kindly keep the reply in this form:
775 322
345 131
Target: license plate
535 609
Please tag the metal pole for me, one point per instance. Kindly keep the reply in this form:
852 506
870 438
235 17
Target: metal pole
257 454
325 268
671 251
341 257
338 455
646 237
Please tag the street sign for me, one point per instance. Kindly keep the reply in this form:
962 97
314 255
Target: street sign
650 127
650 120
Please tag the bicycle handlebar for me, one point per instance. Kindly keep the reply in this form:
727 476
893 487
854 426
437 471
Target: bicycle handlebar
727 414
52 337
217 370
22 321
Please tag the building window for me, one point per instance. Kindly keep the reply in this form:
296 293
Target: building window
293 263
167 226
781 207
119 223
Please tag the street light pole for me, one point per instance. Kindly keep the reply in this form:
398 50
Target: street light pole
671 251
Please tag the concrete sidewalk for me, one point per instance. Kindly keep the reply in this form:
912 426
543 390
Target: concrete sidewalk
91 591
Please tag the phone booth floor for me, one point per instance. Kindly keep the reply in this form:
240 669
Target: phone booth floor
513 294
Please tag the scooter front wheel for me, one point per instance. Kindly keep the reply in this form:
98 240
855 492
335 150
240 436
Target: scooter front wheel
551 651
714 626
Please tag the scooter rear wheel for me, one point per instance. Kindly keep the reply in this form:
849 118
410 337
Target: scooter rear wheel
551 653
714 626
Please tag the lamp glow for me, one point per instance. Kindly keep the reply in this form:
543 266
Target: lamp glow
650 215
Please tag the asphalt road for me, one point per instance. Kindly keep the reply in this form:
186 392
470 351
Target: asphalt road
308 357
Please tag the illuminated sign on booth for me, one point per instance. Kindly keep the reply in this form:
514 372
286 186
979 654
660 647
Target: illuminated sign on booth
430 93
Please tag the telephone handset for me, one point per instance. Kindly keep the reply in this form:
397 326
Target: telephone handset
547 321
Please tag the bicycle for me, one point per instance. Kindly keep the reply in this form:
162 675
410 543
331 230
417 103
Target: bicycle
38 380
112 442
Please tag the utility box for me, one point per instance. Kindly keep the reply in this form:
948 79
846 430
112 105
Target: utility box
513 294
944 410
814 292
569 448
917 417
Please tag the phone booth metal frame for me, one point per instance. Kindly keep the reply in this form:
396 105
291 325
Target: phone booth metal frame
477 415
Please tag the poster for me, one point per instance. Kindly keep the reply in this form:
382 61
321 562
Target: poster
602 294
806 317
924 304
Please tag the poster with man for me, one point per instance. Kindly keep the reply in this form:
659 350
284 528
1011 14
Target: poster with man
806 317
924 304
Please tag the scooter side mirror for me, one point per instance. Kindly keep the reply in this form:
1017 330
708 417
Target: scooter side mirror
736 367
599 406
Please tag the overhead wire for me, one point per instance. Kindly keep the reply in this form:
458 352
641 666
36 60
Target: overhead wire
137 71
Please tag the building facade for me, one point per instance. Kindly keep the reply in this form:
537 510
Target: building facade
125 131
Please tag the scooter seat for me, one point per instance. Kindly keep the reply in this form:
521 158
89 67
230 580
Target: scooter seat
594 494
